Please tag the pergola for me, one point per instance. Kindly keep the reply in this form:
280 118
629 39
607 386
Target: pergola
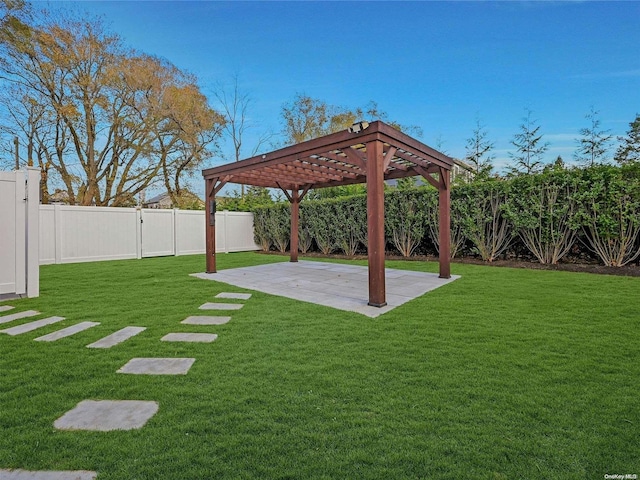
364 153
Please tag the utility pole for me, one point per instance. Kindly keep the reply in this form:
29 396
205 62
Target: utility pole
17 143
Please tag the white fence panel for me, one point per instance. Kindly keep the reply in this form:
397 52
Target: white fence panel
88 234
190 232
85 234
158 233
19 268
236 230
47 234
12 242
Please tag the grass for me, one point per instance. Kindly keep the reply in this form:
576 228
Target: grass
501 374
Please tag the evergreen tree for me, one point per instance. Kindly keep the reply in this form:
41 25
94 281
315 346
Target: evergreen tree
529 147
478 151
593 145
629 150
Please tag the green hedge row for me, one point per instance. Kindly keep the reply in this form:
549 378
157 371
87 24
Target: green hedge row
593 211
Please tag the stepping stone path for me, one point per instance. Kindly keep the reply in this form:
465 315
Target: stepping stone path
118 337
189 337
28 327
158 366
221 306
47 475
239 296
67 332
203 320
109 415
18 316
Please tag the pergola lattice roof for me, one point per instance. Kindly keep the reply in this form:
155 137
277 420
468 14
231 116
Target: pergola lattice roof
332 160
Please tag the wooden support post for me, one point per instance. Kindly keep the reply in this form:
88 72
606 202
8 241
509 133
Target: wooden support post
295 217
375 223
444 206
211 187
210 219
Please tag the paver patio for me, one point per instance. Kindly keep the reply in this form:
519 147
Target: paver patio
340 286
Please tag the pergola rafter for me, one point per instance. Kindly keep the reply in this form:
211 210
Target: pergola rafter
372 154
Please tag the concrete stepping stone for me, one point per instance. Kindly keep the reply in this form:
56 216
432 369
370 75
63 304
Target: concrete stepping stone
158 366
67 332
239 296
28 327
107 415
4 308
118 337
204 320
18 315
189 337
47 475
221 306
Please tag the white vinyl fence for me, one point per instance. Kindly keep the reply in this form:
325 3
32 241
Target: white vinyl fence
19 200
70 234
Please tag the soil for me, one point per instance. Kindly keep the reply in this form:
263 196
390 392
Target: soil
631 270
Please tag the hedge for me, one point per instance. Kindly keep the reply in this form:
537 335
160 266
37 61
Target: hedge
592 212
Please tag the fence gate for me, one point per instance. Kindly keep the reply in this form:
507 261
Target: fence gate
19 210
157 232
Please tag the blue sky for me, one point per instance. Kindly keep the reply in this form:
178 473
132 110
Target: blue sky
436 65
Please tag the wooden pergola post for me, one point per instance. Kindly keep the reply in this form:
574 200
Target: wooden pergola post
375 223
295 219
294 198
212 187
444 219
210 214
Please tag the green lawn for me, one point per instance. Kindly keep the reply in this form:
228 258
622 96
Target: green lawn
502 374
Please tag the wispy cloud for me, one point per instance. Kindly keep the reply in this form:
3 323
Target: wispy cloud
602 75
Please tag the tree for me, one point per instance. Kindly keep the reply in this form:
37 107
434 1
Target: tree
112 121
253 198
529 147
478 151
629 150
305 118
235 108
593 145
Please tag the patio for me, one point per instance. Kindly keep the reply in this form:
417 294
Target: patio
333 285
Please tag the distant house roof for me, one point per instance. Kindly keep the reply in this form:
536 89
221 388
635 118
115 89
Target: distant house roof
164 200
157 199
